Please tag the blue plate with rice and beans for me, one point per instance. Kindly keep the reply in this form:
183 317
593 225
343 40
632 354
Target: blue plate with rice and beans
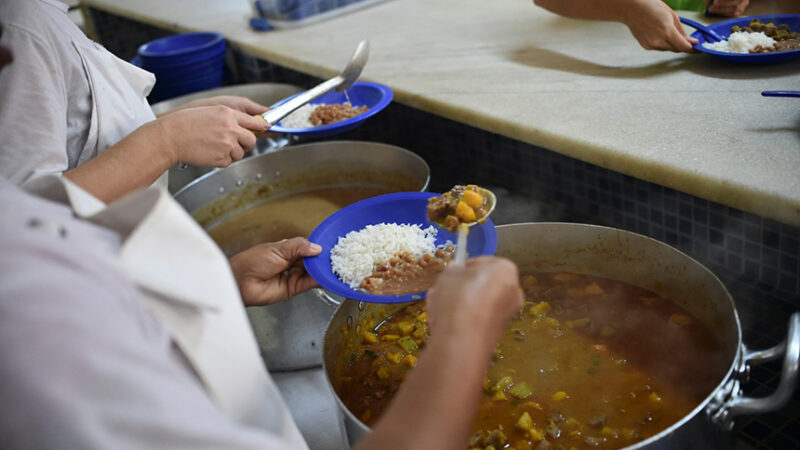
406 210
373 96
724 30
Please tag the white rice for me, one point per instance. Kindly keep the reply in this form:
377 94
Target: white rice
356 255
300 117
741 42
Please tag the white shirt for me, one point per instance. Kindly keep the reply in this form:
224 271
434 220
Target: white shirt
62 91
124 330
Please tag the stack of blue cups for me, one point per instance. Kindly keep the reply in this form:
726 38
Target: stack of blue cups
183 63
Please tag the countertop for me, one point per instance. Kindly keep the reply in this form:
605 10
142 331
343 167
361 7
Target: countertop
693 123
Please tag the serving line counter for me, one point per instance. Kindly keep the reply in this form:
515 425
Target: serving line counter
573 119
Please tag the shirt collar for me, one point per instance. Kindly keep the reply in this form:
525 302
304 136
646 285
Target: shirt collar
163 249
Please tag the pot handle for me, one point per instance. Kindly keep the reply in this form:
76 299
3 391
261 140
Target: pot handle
326 297
789 348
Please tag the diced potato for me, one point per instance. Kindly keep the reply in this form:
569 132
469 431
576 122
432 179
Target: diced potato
564 276
498 396
536 435
383 373
578 323
593 289
573 423
504 382
608 433
529 280
540 309
534 405
406 327
680 320
629 434
369 337
390 337
472 198
520 390
558 396
525 422
654 397
394 357
410 360
423 317
465 213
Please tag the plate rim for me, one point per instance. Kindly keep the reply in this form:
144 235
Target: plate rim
388 96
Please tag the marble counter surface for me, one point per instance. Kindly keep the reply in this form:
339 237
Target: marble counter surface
584 89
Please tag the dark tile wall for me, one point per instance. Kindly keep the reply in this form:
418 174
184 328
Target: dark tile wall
757 258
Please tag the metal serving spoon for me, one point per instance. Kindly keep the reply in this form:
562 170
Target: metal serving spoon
463 228
711 35
342 81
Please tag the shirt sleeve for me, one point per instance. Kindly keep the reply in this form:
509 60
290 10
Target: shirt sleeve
33 105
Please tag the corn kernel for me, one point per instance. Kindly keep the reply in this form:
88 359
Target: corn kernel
383 373
534 405
558 396
536 435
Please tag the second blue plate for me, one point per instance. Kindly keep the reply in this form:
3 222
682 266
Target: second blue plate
724 30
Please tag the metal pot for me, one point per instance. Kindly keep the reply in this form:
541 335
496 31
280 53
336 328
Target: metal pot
638 260
290 333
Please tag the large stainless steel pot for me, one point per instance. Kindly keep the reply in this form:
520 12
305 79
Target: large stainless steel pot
638 260
290 333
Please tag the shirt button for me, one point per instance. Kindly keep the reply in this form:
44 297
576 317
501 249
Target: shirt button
48 227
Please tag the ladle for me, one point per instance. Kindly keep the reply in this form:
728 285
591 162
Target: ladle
342 81
463 228
711 35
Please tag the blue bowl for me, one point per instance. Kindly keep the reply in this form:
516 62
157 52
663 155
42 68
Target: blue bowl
181 49
724 30
401 208
372 95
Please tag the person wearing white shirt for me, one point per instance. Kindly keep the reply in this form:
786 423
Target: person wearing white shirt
67 92
123 326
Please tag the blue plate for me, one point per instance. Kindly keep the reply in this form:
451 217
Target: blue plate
401 208
724 30
372 95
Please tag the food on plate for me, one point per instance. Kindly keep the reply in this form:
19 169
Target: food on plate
589 362
389 258
316 115
404 274
461 204
758 37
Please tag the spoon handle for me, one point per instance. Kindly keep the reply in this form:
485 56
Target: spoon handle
275 115
702 28
461 245
781 93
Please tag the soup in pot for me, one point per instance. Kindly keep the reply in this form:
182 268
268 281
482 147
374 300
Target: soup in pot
589 362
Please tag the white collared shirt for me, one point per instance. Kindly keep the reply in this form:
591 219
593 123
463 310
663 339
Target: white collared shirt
124 330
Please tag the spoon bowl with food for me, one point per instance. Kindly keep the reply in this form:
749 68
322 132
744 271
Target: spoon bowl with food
460 208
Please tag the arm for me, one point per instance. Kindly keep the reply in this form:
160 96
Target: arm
654 24
469 309
211 136
273 272
728 8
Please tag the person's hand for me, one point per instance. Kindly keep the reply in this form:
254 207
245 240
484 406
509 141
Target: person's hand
728 8
273 272
210 136
480 296
657 27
